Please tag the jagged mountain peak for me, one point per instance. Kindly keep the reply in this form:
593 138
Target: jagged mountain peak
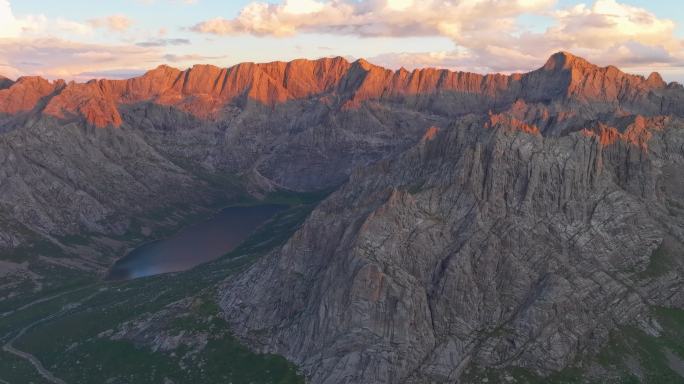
655 79
364 64
581 68
161 69
566 76
565 60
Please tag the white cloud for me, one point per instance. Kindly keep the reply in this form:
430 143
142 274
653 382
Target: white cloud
57 58
302 7
9 26
191 58
610 28
187 2
114 23
36 25
370 17
486 34
38 45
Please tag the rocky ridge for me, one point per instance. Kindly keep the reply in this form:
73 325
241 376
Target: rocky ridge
204 89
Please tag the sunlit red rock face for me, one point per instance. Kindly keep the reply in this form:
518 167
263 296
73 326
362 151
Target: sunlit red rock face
204 90
637 132
26 93
430 133
577 78
91 100
510 123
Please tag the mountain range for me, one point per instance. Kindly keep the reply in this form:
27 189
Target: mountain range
476 222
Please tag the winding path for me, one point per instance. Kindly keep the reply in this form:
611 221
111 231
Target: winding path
41 300
36 363
9 348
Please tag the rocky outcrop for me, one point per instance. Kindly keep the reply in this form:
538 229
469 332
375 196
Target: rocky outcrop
637 131
26 94
91 101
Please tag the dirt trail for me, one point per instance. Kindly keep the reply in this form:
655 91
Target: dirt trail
8 347
41 300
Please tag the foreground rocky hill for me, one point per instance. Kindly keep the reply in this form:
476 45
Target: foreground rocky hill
479 222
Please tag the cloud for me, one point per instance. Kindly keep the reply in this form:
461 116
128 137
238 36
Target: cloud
57 58
191 58
487 34
58 48
112 74
114 23
187 2
442 59
9 25
163 42
370 17
609 29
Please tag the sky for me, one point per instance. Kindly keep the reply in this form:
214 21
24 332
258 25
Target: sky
83 39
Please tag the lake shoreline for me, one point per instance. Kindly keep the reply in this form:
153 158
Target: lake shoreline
210 242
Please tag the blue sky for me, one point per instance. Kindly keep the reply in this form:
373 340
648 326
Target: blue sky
180 13
79 38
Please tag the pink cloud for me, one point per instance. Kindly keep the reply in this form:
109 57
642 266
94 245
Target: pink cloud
57 58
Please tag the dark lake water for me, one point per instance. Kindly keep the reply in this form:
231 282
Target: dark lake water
195 244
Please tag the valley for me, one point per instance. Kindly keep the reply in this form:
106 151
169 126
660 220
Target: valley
43 339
